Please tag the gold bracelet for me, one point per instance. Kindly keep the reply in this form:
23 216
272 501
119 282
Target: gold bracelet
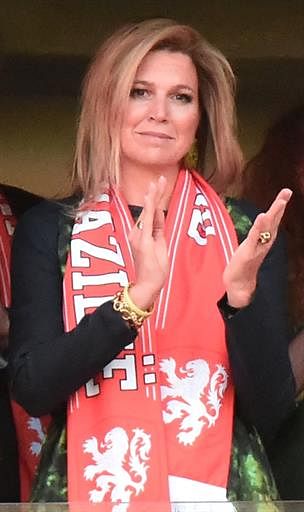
129 311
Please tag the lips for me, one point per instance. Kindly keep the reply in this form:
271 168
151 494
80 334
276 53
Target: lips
157 135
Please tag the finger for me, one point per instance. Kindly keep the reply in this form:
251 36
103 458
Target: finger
277 208
260 225
253 243
149 208
159 224
136 231
145 222
161 188
134 234
285 194
270 220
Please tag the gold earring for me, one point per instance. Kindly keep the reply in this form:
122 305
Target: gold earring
191 158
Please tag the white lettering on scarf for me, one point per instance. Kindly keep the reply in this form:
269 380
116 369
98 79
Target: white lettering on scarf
6 211
79 246
80 280
201 225
82 254
129 382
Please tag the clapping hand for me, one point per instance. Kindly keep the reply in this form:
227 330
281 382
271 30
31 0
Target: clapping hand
240 275
149 248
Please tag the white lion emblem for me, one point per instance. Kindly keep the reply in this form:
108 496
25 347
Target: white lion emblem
117 458
35 425
190 391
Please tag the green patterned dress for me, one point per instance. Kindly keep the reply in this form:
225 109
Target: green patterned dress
250 477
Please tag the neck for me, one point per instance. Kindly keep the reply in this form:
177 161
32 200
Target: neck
135 182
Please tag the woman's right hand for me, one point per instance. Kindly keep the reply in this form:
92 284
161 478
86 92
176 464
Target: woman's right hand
149 248
240 275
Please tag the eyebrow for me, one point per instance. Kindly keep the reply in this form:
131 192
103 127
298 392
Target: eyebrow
149 84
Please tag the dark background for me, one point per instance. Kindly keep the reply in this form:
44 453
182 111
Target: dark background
45 47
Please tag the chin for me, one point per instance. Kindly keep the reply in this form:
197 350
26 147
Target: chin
161 160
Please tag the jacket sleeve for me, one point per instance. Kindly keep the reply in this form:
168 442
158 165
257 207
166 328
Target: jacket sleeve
46 364
257 338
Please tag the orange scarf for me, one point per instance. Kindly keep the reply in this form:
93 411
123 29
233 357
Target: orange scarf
30 431
156 424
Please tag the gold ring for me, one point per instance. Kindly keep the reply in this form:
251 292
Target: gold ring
139 224
264 237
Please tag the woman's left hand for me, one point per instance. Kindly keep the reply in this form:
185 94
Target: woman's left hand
240 275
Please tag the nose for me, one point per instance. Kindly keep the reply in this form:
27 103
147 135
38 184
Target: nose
158 110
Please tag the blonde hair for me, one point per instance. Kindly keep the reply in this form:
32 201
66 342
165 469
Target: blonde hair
106 92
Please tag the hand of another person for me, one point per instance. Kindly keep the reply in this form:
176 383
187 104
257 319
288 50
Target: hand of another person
240 275
149 248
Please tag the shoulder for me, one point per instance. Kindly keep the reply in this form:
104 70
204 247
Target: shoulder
19 199
44 213
40 224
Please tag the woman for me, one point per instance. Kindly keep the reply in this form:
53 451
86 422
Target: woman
140 350
281 160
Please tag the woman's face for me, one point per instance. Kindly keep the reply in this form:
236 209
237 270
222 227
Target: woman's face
162 116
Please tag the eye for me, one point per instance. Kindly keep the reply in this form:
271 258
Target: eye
183 97
139 92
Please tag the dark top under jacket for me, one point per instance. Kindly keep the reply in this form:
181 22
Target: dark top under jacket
48 365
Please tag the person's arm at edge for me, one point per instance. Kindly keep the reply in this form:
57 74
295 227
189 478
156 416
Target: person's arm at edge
46 364
258 337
